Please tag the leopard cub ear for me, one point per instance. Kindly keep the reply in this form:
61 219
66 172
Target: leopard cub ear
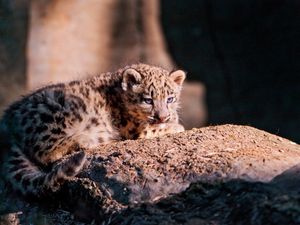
131 78
178 76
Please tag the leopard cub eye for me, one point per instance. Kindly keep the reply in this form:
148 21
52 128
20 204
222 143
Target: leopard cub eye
148 101
170 99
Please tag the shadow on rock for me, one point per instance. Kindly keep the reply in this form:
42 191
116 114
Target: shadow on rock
232 202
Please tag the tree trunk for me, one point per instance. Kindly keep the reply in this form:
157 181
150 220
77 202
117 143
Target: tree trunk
68 40
73 39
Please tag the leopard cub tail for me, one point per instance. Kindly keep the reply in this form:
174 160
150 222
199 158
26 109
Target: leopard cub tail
26 177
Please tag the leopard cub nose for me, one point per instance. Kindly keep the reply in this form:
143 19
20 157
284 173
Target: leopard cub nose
163 118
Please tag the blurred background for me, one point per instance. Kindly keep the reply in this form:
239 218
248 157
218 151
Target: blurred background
241 57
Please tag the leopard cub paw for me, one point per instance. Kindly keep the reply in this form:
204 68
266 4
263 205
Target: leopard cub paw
161 129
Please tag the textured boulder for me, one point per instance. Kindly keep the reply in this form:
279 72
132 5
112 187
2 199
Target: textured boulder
211 153
254 167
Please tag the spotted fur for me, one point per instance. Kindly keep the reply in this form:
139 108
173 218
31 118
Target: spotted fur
138 101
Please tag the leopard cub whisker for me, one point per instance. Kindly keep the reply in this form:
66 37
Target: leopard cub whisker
66 119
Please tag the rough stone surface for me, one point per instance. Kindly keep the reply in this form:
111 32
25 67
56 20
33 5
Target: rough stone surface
225 152
146 175
233 202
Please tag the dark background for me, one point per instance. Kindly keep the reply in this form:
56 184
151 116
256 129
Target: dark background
247 54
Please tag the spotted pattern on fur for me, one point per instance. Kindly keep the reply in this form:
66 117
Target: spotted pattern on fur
62 120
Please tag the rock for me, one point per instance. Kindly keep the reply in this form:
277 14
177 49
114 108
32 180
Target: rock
193 112
171 178
233 202
289 180
210 153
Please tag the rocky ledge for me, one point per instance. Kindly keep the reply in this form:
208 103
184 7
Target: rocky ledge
225 174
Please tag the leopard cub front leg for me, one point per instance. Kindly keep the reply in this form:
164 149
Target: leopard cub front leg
161 129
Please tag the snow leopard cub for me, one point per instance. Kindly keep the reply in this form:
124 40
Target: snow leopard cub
138 101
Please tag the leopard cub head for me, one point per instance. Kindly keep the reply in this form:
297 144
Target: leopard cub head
151 94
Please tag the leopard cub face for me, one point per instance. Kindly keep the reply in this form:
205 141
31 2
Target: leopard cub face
152 95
